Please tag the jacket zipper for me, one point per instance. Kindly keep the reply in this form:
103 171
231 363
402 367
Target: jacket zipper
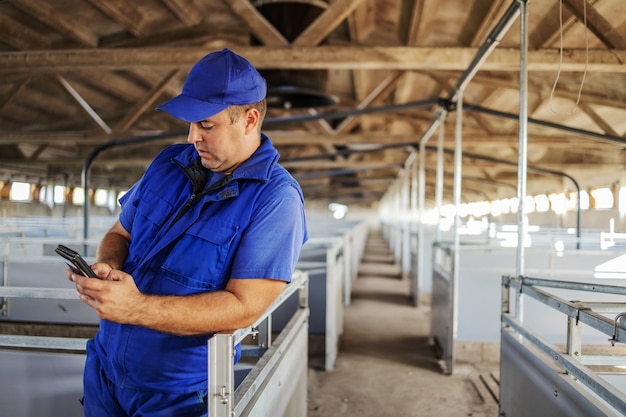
194 196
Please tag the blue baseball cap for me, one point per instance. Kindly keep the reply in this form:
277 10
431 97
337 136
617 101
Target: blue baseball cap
219 80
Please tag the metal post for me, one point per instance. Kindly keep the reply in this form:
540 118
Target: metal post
416 215
221 385
522 162
458 175
439 180
421 257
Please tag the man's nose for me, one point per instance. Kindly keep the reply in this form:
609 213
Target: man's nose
194 133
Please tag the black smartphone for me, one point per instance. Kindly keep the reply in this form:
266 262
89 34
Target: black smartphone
79 265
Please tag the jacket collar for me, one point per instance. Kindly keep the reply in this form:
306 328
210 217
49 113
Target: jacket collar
257 167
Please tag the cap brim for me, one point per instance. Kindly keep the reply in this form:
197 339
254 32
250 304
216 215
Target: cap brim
191 110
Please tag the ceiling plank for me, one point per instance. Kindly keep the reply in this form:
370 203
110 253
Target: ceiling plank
596 23
410 21
378 94
300 138
495 13
185 11
42 11
362 22
19 36
83 104
147 101
323 57
130 18
258 24
602 124
13 91
326 22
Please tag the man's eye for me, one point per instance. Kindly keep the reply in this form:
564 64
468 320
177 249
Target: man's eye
206 127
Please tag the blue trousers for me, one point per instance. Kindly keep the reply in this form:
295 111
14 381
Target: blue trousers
102 398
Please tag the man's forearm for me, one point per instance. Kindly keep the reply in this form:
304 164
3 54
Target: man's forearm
113 250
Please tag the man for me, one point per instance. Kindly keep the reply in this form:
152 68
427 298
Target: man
205 241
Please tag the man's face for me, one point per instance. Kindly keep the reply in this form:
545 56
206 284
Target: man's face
221 144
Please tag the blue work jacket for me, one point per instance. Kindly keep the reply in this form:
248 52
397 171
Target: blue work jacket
251 224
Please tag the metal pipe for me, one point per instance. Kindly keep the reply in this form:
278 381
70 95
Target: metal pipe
340 114
543 123
485 49
92 156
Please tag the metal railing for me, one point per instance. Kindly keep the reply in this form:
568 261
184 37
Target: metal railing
277 360
286 354
564 375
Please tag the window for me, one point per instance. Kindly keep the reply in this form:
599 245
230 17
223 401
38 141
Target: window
542 204
621 198
603 198
59 194
584 200
529 204
20 191
101 197
558 203
78 196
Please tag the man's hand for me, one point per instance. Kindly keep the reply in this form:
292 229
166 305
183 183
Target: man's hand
115 297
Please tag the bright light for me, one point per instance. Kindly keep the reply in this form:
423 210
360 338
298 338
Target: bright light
559 245
541 202
529 204
615 268
78 196
339 210
558 203
603 198
448 210
500 207
20 191
430 217
101 197
496 208
463 210
584 200
59 194
479 208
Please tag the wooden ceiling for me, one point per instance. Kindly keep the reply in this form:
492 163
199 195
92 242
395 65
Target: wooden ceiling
80 79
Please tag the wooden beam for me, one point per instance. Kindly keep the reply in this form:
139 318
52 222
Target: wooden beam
495 13
381 92
326 22
596 23
410 21
125 14
311 58
83 104
185 11
362 22
19 36
145 103
13 92
257 23
593 115
42 11
301 138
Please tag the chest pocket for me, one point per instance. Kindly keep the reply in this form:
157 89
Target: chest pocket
152 212
199 261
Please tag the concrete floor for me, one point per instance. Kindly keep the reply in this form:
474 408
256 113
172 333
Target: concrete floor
386 365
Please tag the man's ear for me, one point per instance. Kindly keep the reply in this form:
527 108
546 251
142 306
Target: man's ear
252 118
